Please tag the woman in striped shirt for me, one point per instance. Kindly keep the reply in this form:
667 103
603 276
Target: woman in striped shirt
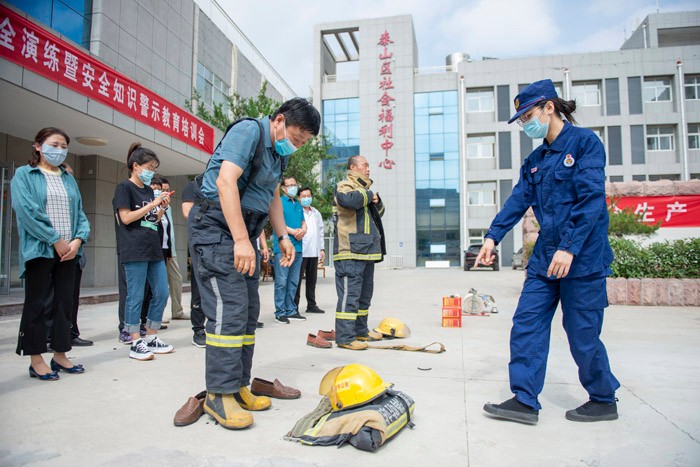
52 228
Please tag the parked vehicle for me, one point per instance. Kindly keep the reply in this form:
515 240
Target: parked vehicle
518 259
472 252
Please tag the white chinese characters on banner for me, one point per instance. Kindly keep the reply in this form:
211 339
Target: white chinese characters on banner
646 211
667 211
36 49
675 207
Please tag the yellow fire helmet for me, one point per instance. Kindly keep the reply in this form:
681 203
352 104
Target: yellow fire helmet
351 385
392 327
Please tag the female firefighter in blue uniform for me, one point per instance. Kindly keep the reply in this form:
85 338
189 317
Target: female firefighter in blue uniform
564 181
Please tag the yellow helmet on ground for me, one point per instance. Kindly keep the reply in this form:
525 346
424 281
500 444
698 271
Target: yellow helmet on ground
351 385
392 327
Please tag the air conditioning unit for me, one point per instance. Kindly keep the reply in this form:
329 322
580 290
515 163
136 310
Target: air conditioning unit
395 262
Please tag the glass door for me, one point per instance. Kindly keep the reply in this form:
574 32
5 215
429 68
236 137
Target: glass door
6 171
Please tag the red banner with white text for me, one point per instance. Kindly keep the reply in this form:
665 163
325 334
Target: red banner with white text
32 47
672 211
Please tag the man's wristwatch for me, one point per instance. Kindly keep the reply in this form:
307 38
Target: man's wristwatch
283 237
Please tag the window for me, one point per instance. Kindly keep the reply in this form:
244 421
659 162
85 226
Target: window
341 125
69 17
480 100
586 94
482 194
639 178
657 89
694 136
616 178
481 146
476 236
660 138
600 133
211 89
692 87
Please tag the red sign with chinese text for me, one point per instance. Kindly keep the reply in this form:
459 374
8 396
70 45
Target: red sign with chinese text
32 47
386 101
672 211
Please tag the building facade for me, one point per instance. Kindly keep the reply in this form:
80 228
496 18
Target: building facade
156 52
446 159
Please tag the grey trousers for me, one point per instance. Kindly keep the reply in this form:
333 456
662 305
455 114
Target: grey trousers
354 283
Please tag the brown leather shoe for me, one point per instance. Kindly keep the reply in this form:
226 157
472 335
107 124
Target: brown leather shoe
191 411
260 387
318 341
328 335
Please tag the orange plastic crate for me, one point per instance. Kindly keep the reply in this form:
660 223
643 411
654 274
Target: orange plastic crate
451 322
452 302
451 313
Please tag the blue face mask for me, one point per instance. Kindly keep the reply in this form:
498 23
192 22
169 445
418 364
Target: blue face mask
535 129
156 193
146 176
52 155
292 191
306 202
284 147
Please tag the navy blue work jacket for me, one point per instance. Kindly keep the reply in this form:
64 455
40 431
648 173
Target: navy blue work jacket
564 182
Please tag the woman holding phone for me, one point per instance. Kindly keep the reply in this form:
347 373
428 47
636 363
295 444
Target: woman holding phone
137 213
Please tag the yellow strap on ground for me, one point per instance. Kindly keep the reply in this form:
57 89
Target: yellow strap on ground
409 348
344 315
217 340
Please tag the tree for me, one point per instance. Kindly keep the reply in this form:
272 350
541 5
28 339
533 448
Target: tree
303 164
626 222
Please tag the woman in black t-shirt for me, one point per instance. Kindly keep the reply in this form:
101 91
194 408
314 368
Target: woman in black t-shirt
137 213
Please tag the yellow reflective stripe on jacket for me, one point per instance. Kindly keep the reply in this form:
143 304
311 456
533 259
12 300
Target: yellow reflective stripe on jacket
367 220
345 315
218 340
394 427
249 339
364 195
362 312
357 256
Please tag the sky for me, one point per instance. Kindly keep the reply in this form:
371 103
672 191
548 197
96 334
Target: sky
283 30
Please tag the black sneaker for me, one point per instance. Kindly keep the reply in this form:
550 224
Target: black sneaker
199 339
260 325
140 351
593 411
296 317
156 345
514 410
282 319
314 310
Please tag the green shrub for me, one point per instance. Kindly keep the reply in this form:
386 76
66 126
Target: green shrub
677 259
626 222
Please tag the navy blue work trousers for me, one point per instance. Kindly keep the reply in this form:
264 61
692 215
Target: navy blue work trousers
582 301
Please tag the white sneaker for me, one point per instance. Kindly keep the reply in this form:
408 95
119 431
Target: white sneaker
140 351
158 346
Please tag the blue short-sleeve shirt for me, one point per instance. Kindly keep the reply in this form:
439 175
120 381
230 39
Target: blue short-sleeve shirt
238 146
293 217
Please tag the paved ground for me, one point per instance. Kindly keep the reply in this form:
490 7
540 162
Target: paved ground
120 411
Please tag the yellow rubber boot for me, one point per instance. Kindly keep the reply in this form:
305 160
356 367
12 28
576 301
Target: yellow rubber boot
354 345
251 402
226 411
371 336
